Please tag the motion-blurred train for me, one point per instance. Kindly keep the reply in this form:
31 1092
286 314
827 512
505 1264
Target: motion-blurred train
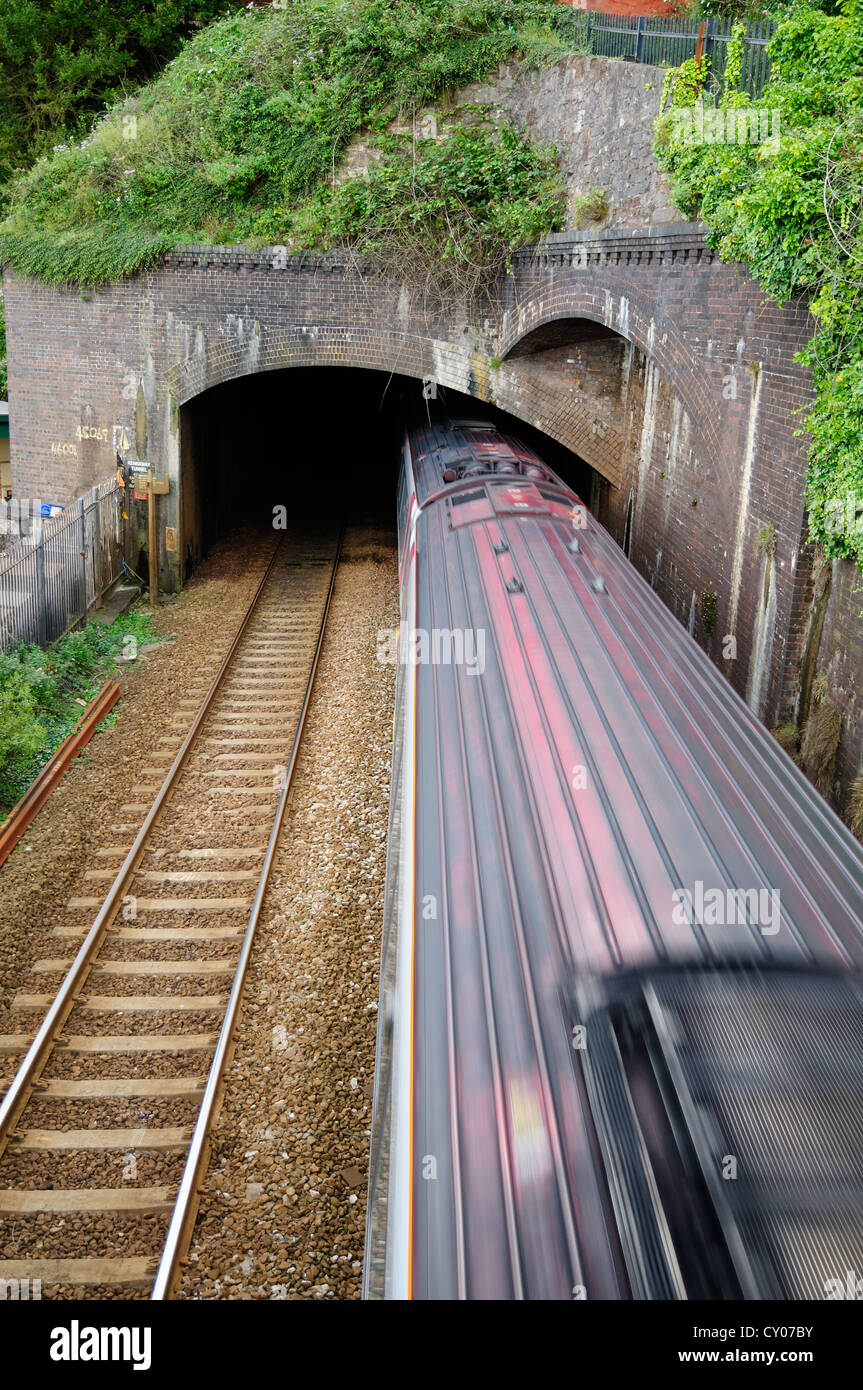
620 1046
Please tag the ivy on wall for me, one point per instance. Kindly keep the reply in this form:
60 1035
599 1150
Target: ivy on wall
789 205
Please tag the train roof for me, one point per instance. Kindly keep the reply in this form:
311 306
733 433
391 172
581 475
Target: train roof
596 803
447 449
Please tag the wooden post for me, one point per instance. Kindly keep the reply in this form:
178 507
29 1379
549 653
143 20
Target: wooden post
155 488
699 47
151 538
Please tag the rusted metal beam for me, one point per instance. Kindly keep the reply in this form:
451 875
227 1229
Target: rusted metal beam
31 803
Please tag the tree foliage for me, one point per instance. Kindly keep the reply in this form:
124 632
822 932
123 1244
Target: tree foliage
63 60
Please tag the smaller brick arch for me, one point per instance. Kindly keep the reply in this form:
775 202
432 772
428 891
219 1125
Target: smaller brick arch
635 317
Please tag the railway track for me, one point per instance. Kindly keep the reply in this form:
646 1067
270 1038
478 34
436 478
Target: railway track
127 1032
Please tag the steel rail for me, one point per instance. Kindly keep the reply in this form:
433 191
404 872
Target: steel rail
29 1069
186 1205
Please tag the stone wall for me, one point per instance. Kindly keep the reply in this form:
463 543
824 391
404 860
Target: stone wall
600 114
597 111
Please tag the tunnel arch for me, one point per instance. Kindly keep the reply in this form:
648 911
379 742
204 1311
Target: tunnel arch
638 318
450 365
235 431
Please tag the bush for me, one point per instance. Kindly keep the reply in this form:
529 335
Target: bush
855 808
788 737
40 693
820 742
439 215
590 207
22 734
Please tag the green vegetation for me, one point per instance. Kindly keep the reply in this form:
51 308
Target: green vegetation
855 808
788 737
765 541
821 734
590 207
240 139
441 215
41 693
64 60
707 608
792 210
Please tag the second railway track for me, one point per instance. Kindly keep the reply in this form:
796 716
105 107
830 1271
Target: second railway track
126 1032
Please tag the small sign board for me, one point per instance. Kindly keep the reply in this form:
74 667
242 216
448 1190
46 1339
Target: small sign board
50 509
139 471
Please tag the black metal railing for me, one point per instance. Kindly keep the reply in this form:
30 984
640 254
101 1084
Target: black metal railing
58 567
667 42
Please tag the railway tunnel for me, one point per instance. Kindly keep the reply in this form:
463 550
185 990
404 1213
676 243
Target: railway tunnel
316 439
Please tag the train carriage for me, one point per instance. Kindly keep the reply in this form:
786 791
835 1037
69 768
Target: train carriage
622 932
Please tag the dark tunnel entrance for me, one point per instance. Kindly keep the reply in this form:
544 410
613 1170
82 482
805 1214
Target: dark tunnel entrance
315 438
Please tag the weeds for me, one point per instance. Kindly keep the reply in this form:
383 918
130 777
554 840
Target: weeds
41 695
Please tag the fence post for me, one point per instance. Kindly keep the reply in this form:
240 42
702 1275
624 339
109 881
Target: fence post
709 31
639 39
97 547
589 22
82 547
41 596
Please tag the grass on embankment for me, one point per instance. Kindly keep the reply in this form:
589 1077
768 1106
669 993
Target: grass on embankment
240 137
43 693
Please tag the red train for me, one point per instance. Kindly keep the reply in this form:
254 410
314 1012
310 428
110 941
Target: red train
620 1048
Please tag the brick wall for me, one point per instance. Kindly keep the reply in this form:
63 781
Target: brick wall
666 371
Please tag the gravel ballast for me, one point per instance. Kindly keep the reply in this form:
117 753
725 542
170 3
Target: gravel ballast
305 1044
283 1211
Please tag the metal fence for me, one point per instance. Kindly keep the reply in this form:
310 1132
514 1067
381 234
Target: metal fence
667 42
58 570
